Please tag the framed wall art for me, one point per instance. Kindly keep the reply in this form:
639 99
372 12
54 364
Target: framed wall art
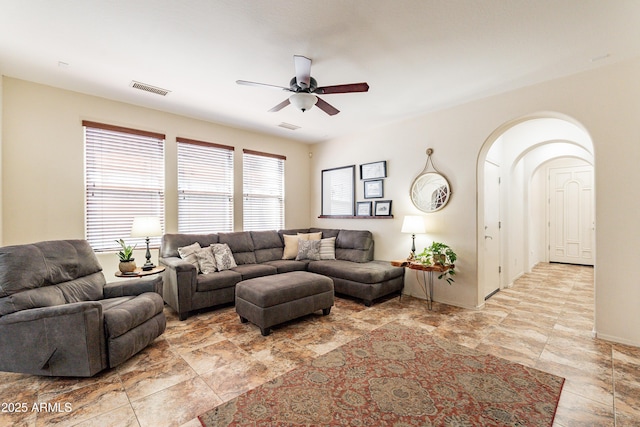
383 208
364 209
339 191
373 170
373 189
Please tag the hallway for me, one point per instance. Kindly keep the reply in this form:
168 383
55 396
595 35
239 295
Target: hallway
546 321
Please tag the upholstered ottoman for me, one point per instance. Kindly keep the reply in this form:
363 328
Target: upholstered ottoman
270 300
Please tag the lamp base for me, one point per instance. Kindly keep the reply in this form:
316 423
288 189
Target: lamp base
148 266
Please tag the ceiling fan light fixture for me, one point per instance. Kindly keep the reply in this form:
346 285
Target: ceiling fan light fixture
303 100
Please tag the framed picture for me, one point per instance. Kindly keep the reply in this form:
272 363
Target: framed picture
339 191
364 209
383 207
373 170
373 189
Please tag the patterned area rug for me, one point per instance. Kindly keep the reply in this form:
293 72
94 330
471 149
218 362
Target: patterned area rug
398 376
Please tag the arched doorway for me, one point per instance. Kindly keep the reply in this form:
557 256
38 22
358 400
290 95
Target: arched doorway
513 225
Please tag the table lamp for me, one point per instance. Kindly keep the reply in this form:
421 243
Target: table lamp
413 224
146 226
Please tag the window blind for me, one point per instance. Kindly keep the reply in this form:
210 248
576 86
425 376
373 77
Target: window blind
124 178
263 191
205 187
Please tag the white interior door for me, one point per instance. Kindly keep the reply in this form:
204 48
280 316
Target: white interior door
492 268
571 215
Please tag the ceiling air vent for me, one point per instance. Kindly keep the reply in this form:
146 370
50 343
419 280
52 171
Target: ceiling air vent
149 88
288 126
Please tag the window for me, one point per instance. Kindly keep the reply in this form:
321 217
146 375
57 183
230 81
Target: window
205 187
263 190
124 178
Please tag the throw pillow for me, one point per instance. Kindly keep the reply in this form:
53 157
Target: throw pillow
310 236
308 249
206 260
188 253
291 243
224 257
328 248
290 246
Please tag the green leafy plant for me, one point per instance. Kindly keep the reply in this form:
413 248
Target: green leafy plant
439 253
126 254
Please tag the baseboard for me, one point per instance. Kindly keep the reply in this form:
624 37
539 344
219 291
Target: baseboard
615 339
454 304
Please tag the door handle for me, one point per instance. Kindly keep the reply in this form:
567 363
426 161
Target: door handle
488 237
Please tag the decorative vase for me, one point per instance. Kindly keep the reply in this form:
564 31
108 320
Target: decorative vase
127 266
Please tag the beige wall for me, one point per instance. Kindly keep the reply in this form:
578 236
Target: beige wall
42 188
605 101
43 161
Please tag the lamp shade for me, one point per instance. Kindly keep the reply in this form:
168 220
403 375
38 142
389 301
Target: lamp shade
413 224
303 101
146 226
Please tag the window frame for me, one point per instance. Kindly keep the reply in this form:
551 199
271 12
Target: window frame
249 221
199 191
119 186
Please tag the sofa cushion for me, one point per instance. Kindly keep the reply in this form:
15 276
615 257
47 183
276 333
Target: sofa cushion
290 246
224 258
217 280
171 242
328 248
308 249
267 245
354 245
241 245
188 253
291 243
288 265
249 271
121 318
206 260
369 273
326 232
32 266
89 288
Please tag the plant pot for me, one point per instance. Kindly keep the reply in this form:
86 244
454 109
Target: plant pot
440 259
127 266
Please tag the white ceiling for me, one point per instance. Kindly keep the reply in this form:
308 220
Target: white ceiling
416 55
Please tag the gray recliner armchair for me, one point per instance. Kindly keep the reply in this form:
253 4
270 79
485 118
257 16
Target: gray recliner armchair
59 317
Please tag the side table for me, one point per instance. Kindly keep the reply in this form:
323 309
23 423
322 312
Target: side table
427 279
139 272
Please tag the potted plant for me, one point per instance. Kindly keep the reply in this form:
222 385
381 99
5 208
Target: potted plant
439 254
127 262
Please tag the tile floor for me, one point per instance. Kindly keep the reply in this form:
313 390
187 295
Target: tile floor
544 321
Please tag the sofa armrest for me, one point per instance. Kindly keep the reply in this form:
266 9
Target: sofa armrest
50 312
180 279
177 264
70 340
133 287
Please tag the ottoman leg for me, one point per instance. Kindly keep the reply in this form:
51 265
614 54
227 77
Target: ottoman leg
265 331
326 311
243 320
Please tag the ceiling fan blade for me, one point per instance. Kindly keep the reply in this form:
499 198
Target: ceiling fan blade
264 85
303 70
351 87
326 107
280 106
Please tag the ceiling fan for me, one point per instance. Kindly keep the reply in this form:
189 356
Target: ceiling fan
306 90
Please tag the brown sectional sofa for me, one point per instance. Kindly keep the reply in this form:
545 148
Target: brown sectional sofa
259 253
